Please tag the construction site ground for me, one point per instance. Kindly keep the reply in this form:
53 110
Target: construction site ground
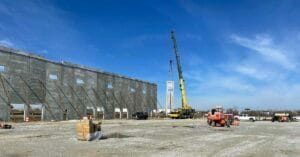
152 138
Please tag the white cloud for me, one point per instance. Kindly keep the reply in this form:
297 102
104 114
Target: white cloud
39 25
234 84
219 82
276 96
264 46
251 72
6 42
265 86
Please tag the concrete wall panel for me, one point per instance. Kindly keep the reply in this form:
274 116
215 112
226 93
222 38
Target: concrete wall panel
68 87
54 97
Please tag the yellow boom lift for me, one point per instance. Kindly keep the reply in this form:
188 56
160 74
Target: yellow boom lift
186 111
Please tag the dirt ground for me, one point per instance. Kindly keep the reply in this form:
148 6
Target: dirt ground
152 138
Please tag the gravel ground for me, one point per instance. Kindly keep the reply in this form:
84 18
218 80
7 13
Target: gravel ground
130 138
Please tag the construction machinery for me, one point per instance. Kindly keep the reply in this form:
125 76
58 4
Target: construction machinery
140 115
245 117
282 117
216 117
186 111
5 126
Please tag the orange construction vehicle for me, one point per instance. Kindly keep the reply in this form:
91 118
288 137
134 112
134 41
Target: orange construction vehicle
216 117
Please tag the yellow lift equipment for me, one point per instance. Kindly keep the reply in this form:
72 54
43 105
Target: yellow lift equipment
186 111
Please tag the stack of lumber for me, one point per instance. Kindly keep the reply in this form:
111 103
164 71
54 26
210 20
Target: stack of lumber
86 128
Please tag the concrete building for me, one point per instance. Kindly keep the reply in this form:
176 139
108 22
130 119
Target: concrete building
40 89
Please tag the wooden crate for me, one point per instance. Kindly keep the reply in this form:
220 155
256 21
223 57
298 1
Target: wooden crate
85 128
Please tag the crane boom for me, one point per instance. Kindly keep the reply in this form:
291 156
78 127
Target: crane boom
181 80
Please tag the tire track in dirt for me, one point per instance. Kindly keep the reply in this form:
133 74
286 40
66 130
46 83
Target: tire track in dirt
238 149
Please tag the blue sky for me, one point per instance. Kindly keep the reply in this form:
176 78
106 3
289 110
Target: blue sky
233 53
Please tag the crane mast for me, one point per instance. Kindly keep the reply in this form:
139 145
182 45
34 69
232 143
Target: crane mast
181 80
